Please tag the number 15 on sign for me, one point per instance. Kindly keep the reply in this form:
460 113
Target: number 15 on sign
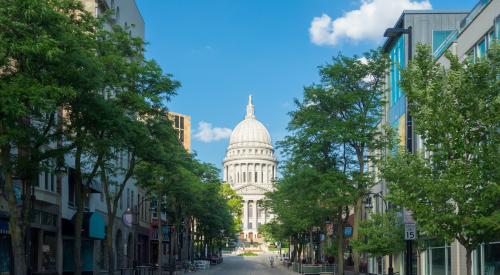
410 231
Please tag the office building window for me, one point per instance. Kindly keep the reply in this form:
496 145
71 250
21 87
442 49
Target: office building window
481 48
439 260
256 177
438 37
397 63
497 27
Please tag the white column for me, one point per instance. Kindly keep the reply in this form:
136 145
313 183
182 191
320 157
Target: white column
245 214
264 168
246 169
255 218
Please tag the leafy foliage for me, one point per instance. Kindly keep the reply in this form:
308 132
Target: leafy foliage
381 234
452 184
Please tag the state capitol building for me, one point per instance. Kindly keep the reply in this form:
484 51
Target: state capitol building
250 167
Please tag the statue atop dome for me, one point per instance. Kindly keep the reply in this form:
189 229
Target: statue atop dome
250 108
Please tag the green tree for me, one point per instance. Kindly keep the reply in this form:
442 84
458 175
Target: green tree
234 204
451 185
335 134
381 234
45 55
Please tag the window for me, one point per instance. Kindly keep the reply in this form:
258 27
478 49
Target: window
262 177
132 206
481 48
71 187
46 180
52 182
128 198
497 27
117 13
438 38
491 38
439 259
244 177
250 226
176 121
256 177
397 56
182 123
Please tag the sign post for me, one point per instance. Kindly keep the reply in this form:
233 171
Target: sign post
410 235
410 231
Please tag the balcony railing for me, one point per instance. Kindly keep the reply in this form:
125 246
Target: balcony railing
445 44
474 12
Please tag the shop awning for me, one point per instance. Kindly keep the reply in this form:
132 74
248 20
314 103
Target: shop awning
93 226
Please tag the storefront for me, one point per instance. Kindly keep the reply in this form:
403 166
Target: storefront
142 246
438 259
43 236
5 248
486 259
93 229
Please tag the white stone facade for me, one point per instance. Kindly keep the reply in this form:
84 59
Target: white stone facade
250 167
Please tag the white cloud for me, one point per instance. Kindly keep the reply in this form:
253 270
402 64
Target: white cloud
363 60
366 23
207 133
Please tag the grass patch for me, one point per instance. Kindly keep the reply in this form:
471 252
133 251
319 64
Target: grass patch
247 254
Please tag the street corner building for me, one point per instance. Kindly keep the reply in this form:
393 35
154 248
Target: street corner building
467 34
250 168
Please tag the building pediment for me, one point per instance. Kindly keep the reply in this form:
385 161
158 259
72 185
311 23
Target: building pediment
251 189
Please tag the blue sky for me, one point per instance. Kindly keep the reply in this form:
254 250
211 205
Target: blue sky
223 50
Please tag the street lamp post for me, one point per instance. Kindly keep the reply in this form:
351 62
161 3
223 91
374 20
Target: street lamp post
368 205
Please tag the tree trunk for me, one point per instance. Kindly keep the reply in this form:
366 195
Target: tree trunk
311 247
109 244
160 237
78 226
468 260
299 251
15 223
340 243
355 232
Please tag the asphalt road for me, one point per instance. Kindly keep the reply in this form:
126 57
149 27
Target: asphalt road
237 265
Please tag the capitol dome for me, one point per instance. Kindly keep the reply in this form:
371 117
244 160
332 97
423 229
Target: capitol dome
250 168
250 130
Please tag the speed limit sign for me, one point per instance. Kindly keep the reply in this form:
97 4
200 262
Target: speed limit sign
410 231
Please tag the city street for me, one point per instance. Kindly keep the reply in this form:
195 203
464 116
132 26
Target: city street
237 265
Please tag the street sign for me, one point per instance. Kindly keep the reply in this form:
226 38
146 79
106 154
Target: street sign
410 231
